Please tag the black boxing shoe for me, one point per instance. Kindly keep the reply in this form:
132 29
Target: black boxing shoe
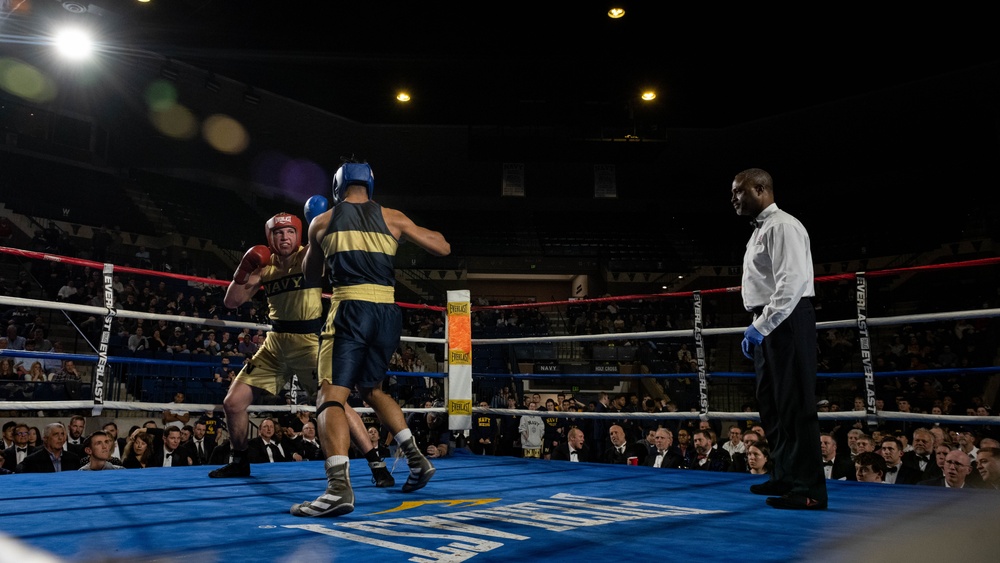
796 502
232 469
770 488
380 474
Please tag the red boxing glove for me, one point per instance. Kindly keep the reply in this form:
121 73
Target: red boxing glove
252 260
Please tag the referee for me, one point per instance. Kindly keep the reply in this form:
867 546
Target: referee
781 341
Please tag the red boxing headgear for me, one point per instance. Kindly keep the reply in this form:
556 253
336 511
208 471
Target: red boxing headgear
280 221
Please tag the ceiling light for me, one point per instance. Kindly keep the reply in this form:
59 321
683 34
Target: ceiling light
648 96
403 97
615 13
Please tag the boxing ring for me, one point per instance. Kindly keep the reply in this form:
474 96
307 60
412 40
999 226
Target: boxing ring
487 508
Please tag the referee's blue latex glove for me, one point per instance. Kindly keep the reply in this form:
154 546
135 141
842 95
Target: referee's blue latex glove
751 339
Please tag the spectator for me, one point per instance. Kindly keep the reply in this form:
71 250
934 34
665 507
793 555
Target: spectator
988 465
620 450
168 453
68 292
897 473
142 258
532 429
176 417
485 428
16 453
35 374
869 467
309 448
265 448
835 466
51 457
957 467
709 458
70 378
138 450
14 340
758 458
138 341
98 447
42 344
666 454
574 449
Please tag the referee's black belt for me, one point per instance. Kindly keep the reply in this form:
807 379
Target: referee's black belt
311 326
758 311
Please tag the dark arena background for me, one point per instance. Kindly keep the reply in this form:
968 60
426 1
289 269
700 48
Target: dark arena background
581 167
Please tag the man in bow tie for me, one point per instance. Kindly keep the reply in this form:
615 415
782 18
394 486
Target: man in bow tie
709 458
895 472
921 456
835 467
170 454
573 449
665 455
20 449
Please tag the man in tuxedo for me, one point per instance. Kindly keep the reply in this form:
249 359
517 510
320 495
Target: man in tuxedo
199 448
307 444
922 455
666 455
895 472
16 453
169 453
837 467
621 449
957 467
266 448
74 438
51 457
573 449
708 457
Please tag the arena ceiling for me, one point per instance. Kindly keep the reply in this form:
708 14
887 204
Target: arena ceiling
513 63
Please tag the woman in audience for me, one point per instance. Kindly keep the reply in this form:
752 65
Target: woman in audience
7 369
34 437
36 372
759 458
138 450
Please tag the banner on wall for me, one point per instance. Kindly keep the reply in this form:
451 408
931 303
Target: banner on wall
459 360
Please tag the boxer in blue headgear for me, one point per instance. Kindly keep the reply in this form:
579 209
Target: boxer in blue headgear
350 174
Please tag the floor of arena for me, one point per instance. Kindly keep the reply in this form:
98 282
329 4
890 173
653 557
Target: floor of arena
480 509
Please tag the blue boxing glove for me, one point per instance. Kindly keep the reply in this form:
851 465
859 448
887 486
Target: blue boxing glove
314 206
751 339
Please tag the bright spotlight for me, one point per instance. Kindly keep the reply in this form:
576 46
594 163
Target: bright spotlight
74 44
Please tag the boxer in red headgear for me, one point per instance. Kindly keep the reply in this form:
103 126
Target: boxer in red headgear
296 310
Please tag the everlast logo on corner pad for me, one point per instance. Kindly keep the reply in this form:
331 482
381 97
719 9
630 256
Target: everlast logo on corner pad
460 357
458 407
458 308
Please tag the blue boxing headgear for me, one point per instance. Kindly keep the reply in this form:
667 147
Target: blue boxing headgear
350 174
